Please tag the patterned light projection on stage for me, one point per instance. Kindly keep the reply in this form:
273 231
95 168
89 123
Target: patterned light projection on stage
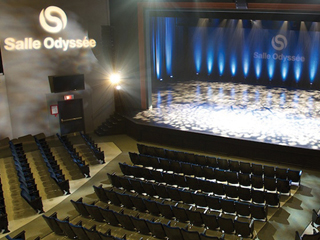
253 112
276 53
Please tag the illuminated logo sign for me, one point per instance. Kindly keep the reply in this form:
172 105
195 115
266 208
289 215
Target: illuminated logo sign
279 42
53 19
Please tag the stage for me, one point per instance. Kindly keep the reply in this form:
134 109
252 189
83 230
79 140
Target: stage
254 121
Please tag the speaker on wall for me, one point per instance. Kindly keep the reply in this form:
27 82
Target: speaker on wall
66 83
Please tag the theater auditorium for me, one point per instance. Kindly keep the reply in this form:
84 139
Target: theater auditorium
160 119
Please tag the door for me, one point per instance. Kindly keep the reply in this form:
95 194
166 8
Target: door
71 116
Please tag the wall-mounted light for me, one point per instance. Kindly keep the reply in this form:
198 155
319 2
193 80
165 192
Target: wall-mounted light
115 78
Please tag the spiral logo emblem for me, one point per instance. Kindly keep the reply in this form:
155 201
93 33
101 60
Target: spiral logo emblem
53 19
279 42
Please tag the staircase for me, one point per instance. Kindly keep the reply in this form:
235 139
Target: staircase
112 126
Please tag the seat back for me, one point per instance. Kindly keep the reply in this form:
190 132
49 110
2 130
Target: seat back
257 169
156 229
180 214
66 228
94 212
101 194
172 232
125 221
234 165
165 210
52 223
140 225
190 235
109 216
210 221
194 217
138 203
79 206
152 207
79 231
200 199
186 196
226 224
244 229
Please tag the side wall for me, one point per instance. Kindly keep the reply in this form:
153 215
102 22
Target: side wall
27 110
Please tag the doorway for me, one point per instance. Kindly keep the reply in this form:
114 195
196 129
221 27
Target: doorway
71 116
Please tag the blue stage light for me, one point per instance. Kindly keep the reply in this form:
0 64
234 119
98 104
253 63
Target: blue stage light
233 65
246 63
221 61
284 70
314 56
169 36
258 67
197 49
297 70
158 52
271 66
210 58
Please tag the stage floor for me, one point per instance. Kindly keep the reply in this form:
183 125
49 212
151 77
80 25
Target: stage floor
241 111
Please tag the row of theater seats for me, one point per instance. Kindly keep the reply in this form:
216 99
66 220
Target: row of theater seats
198 217
53 167
231 177
94 147
76 231
28 186
84 168
145 226
3 213
194 184
314 225
238 166
221 205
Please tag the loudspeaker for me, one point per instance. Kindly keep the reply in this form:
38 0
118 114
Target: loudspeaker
66 83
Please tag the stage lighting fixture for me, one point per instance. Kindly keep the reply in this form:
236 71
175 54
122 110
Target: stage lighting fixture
118 87
241 4
115 78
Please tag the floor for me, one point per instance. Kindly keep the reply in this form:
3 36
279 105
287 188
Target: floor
294 215
252 112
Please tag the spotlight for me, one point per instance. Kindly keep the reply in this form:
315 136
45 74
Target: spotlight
118 87
115 78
